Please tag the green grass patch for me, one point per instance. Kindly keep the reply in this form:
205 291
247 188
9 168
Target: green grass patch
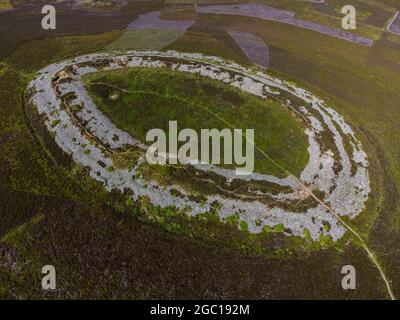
150 98
5 5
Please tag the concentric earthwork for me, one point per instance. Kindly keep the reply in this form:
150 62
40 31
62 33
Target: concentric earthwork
72 98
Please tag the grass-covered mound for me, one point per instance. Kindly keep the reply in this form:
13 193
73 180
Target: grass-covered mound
140 99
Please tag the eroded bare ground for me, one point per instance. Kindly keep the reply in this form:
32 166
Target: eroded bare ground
283 16
254 48
394 25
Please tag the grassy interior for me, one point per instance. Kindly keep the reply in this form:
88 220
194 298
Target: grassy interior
149 98
86 232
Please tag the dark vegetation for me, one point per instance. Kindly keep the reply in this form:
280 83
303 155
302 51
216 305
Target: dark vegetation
52 214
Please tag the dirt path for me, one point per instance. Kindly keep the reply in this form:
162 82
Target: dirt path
349 228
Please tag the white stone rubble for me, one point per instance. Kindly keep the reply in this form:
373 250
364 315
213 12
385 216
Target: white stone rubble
345 189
